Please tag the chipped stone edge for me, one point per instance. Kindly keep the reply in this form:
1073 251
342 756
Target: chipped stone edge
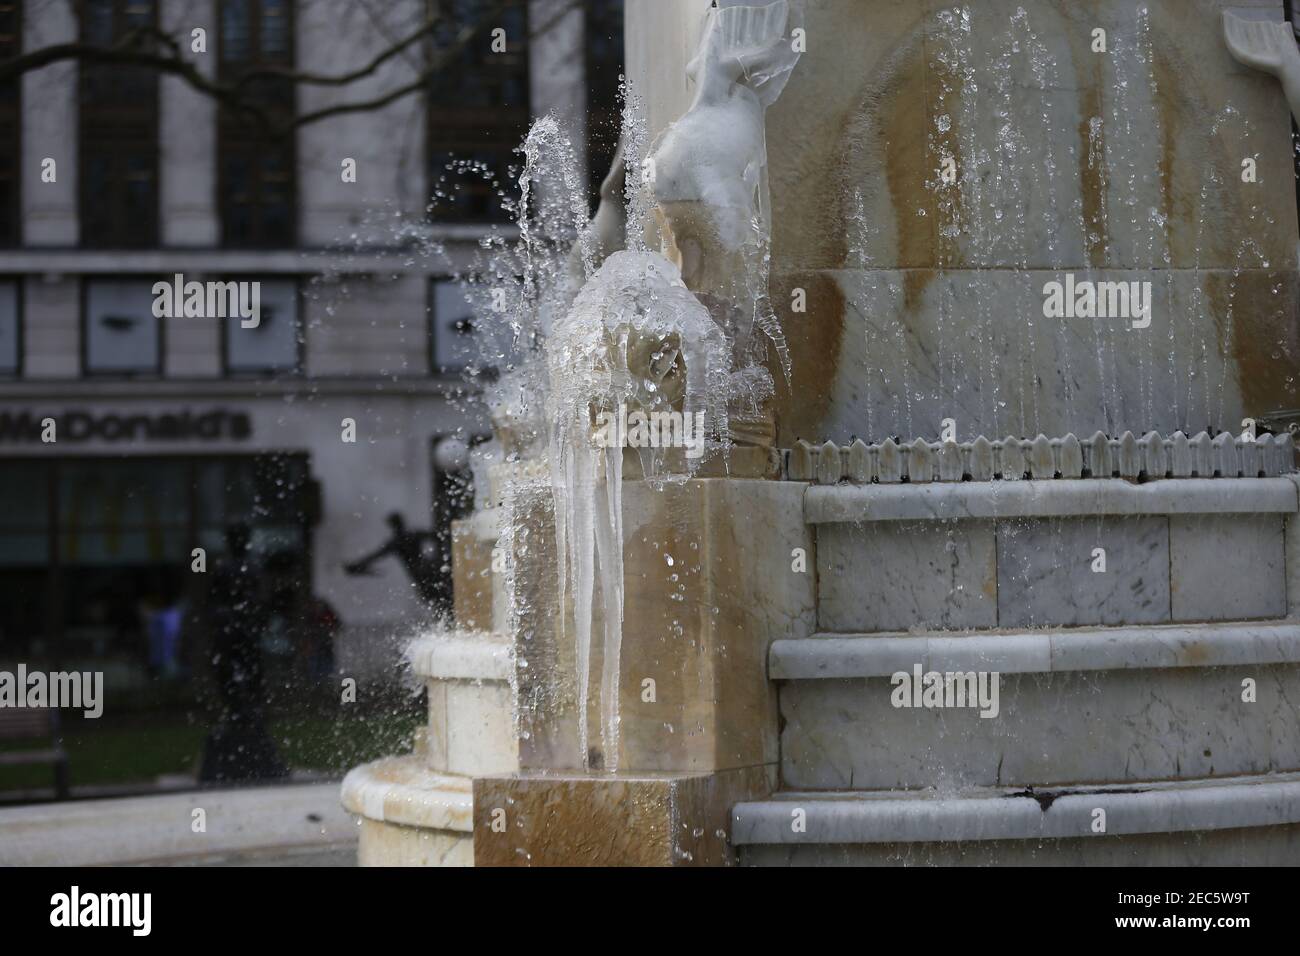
840 656
1150 457
1232 803
402 791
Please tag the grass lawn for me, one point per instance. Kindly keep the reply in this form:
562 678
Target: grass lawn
138 748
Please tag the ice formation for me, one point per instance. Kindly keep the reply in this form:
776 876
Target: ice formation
709 171
635 337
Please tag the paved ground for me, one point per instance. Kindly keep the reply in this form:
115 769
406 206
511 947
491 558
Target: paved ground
344 854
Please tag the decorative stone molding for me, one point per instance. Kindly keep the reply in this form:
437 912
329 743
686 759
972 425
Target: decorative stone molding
400 790
1012 459
844 656
462 656
1036 499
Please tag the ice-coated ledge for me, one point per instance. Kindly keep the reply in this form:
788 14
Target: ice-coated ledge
402 790
1005 814
461 655
1044 499
1042 458
840 656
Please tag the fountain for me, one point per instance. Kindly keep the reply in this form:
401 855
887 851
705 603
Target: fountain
849 220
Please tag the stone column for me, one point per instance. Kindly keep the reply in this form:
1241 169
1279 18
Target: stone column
50 123
714 570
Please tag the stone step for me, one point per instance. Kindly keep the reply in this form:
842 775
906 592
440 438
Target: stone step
1053 553
410 815
1232 821
1072 706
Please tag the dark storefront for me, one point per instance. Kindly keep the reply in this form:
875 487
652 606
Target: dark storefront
97 563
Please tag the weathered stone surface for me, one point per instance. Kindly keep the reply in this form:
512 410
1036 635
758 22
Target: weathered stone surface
480 734
1227 567
902 369
1292 537
1051 729
1260 846
624 820
898 575
711 576
390 844
471 576
1046 576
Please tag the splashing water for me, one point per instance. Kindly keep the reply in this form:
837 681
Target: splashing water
635 304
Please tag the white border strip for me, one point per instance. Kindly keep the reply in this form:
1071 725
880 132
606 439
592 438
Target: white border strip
1048 499
1038 652
1161 808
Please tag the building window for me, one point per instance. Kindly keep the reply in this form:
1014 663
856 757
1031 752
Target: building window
452 326
461 339
119 132
273 345
478 113
604 29
11 329
256 166
120 333
11 125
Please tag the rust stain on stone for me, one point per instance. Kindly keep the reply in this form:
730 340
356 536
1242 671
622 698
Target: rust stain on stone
1093 180
815 338
907 162
1255 315
1169 108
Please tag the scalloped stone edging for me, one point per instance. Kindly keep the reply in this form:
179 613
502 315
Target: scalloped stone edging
1012 459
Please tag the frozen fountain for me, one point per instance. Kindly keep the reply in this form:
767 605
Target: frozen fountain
851 219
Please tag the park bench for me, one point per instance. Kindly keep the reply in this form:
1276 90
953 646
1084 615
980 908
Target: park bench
34 723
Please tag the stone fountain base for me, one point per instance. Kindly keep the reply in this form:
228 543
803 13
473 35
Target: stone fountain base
757 722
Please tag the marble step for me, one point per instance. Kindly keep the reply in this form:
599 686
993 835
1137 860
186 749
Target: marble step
1230 821
1053 554
1072 706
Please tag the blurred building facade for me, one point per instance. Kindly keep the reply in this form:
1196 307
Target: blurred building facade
168 429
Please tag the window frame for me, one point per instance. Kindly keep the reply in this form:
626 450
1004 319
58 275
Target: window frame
300 338
431 311
98 127
234 133
20 321
160 333
462 130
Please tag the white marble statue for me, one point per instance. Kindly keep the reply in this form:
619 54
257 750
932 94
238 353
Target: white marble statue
708 176
1269 46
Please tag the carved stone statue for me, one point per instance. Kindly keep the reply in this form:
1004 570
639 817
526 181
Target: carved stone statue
1269 46
708 175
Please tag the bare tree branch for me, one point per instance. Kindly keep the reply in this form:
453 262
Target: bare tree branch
151 48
